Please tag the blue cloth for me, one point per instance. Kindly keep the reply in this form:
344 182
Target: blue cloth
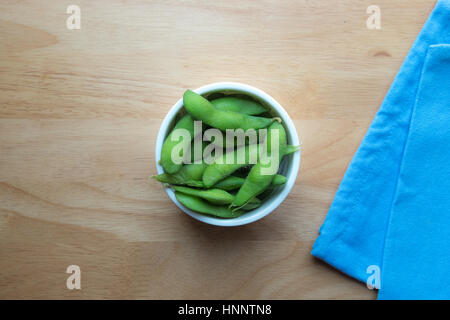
392 209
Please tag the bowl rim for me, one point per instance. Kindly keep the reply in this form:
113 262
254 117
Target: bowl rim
291 132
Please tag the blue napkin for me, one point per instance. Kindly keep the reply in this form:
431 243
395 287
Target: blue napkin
392 209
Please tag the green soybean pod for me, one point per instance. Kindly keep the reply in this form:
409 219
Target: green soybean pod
278 180
281 144
290 149
248 107
189 175
216 196
257 181
252 204
203 110
167 163
219 169
233 182
198 205
254 184
230 183
192 171
169 179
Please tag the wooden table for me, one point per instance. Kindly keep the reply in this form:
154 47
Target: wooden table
79 114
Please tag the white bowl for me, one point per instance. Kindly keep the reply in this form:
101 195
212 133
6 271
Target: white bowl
289 166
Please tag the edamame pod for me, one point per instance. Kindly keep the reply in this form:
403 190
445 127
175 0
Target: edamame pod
233 182
252 204
168 164
281 144
257 181
245 106
278 180
198 205
254 184
230 183
216 196
170 179
219 169
202 109
189 174
291 149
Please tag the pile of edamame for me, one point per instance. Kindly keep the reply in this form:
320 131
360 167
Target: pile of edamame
219 187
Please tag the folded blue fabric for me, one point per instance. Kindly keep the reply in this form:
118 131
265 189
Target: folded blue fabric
392 209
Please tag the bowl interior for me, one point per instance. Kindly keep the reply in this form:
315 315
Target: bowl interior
288 167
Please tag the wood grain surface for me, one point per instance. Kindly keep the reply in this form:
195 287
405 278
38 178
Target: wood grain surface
79 114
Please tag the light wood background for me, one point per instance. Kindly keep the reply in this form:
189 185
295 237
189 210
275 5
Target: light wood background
79 114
